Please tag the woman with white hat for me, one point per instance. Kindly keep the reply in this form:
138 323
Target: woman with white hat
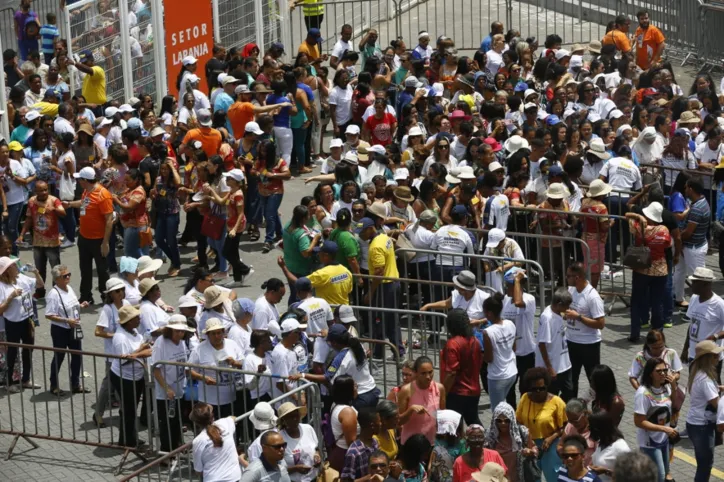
553 224
216 305
595 229
264 420
302 453
217 387
170 380
648 283
127 373
153 318
106 327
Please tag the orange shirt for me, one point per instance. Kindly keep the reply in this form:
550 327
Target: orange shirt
647 41
94 206
619 39
312 51
210 139
240 113
136 217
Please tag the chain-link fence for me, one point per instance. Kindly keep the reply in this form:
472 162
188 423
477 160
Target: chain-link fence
141 40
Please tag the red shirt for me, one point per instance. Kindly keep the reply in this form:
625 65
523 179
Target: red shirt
462 472
381 129
465 357
134 157
45 221
235 206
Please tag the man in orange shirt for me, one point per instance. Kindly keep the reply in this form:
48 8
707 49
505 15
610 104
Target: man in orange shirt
618 36
96 225
243 111
209 137
650 42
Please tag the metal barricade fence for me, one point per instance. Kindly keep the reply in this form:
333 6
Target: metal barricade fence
4 121
8 39
142 52
235 23
38 414
670 173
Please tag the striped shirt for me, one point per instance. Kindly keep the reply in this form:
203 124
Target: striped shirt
48 34
700 213
590 476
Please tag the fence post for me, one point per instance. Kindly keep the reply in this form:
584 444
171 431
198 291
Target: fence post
126 60
217 24
285 20
4 125
367 15
259 20
159 46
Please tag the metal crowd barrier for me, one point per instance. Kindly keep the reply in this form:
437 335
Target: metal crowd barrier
38 414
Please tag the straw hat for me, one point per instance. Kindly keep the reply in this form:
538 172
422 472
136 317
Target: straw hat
598 149
114 284
595 47
557 191
687 117
598 188
287 408
146 284
377 209
213 324
86 129
403 193
702 274
178 322
491 472
214 296
707 347
146 264
127 313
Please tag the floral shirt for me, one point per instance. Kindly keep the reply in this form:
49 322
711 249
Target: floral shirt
136 217
45 222
593 228
166 202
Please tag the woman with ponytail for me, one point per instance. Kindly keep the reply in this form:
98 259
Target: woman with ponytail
350 360
499 351
213 449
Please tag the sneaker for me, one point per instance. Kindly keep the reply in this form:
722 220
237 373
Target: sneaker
646 326
67 244
267 247
685 318
245 278
668 324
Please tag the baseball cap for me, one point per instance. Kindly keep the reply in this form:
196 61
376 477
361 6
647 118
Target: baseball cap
336 142
555 170
236 174
314 32
253 127
328 247
189 60
241 89
336 331
87 173
104 121
351 158
530 105
495 166
495 236
460 210
31 115
126 109
402 173
520 87
85 55
413 82
363 224
289 325
111 111
346 314
510 274
15 146
134 123
352 129
303 284
204 117
562 53
230 80
278 46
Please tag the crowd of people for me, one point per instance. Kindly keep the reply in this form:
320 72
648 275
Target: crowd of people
434 166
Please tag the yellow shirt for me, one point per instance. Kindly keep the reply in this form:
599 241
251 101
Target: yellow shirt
312 51
46 108
94 86
388 444
542 419
333 284
382 254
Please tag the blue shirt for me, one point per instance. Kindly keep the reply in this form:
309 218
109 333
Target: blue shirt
677 204
222 103
402 100
487 42
48 34
282 119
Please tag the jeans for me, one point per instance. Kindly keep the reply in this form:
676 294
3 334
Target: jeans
645 296
299 138
130 391
660 456
251 201
584 356
12 224
63 338
285 141
132 243
549 461
218 246
465 405
43 256
20 332
166 231
68 223
231 253
669 294
169 428
702 438
617 205
89 250
562 385
27 46
498 390
270 208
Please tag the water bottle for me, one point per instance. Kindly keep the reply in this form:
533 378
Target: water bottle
171 408
147 337
27 268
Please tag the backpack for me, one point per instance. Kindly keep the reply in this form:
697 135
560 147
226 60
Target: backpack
327 434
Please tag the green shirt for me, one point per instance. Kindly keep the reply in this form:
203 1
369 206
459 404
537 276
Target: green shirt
347 244
295 242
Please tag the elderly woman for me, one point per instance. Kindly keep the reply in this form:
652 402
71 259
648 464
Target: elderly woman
390 419
134 216
16 291
302 446
511 440
63 310
153 318
476 457
217 305
128 271
127 371
545 416
170 380
577 414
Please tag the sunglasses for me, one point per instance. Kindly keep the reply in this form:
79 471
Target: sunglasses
570 456
538 389
378 466
277 446
443 146
66 276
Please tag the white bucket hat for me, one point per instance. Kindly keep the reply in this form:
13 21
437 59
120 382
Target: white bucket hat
114 284
178 322
598 149
146 264
514 144
598 188
263 417
654 211
557 191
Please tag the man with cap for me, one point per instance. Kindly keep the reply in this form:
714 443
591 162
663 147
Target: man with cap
209 137
530 112
413 92
332 282
706 311
354 144
319 315
96 225
284 358
500 245
225 99
94 83
310 46
335 156
243 111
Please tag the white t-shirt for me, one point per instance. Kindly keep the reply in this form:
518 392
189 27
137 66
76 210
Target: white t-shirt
552 332
342 99
720 412
108 320
283 364
125 343
495 61
224 392
264 312
606 457
21 308
319 314
499 212
502 337
707 318
241 336
133 295
339 204
219 464
184 114
473 306
687 162
152 317
360 374
704 153
62 303
258 386
452 239
524 319
329 165
669 356
587 303
646 398
165 350
301 451
622 174
340 47
14 192
421 238
370 111
703 389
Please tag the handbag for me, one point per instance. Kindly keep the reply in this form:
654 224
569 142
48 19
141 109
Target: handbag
638 257
66 189
531 471
213 225
403 242
145 236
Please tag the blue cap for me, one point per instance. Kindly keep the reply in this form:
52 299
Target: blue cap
85 54
278 46
52 91
520 87
336 332
510 275
134 123
315 33
460 210
245 305
329 247
555 170
363 224
680 133
303 284
552 120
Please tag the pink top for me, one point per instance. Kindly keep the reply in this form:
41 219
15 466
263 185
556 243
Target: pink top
425 423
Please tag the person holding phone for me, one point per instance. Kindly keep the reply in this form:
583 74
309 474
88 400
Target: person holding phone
302 451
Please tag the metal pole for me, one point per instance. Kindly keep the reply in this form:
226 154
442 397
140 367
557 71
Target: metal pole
159 48
126 47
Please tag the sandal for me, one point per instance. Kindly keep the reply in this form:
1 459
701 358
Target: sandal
58 392
98 421
80 390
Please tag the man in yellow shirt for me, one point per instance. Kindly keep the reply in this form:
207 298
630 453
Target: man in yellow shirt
94 83
333 283
383 293
310 46
618 36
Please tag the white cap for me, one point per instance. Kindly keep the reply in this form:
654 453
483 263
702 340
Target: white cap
494 166
110 111
402 173
414 131
187 301
31 115
377 149
236 174
289 325
229 80
253 128
495 236
529 92
530 105
193 79
105 121
576 61
352 129
466 172
336 142
220 78
126 109
188 60
615 114
561 53
87 173
438 89
351 158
